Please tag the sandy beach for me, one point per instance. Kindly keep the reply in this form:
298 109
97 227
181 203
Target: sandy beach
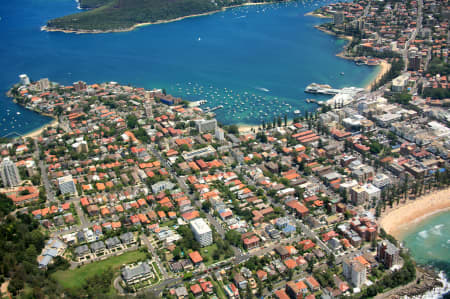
398 220
317 15
247 128
38 132
384 68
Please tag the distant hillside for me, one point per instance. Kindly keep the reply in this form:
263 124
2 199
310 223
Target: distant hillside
93 3
117 15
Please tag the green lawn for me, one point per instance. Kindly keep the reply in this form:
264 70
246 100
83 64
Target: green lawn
168 223
76 278
220 291
208 252
155 265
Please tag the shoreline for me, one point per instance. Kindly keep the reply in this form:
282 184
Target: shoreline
135 26
404 217
385 67
37 132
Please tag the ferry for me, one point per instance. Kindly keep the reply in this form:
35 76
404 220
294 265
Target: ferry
296 112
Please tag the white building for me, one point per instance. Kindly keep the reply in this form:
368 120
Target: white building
348 185
399 83
161 186
381 180
24 80
219 134
361 194
353 122
67 185
80 147
202 232
202 152
355 272
206 125
372 192
9 173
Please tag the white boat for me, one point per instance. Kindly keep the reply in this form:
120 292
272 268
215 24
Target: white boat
296 111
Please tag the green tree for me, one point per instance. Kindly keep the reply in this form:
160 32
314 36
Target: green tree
233 237
132 121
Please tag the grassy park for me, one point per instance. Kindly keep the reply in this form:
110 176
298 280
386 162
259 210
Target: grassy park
77 278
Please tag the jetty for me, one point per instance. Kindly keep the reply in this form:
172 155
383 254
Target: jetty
197 103
328 90
213 109
342 96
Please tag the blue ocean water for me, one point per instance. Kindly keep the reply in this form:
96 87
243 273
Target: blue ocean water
429 242
253 60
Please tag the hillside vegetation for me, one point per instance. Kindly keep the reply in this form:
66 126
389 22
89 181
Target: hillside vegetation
93 3
123 14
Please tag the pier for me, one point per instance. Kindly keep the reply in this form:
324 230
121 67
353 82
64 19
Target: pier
197 103
213 109
343 96
328 90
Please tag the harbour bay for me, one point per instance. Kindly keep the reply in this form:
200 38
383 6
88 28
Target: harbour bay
253 60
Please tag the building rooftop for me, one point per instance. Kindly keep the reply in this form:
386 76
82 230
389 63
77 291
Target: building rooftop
200 226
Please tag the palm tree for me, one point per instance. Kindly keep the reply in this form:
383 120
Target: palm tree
405 187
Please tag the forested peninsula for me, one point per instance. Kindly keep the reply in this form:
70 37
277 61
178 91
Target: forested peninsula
125 15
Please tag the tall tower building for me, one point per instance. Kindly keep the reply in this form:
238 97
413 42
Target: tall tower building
338 17
44 84
9 173
79 86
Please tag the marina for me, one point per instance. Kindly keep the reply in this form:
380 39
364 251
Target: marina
247 106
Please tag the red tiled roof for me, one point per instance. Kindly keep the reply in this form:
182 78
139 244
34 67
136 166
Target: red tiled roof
195 257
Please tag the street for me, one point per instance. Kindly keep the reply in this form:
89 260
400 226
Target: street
147 243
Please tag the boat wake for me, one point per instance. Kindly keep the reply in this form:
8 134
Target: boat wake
262 89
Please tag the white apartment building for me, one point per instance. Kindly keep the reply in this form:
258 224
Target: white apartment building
202 232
